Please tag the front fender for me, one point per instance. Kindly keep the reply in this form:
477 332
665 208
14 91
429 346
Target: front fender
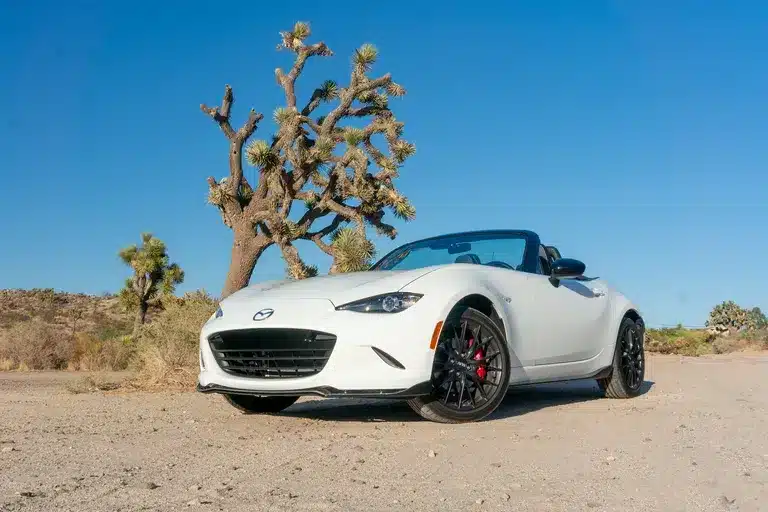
458 290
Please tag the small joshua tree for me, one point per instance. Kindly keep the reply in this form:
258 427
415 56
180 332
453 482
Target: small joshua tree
336 172
153 276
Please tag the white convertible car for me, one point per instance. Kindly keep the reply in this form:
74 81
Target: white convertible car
448 323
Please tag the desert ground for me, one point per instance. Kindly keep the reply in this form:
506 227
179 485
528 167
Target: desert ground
697 440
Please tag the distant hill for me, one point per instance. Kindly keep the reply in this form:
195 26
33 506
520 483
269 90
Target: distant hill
65 312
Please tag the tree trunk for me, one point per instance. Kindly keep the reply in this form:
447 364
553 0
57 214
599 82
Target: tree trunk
246 250
141 316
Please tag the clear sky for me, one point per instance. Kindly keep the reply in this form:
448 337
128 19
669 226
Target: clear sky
632 135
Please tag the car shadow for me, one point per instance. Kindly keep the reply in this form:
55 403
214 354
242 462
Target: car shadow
520 400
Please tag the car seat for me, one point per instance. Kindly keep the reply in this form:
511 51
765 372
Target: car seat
468 258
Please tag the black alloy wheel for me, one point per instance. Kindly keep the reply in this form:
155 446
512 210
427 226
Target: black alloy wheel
632 360
470 372
628 370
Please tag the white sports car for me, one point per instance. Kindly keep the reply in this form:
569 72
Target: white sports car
448 323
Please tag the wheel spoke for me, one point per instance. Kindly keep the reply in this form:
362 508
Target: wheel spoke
461 393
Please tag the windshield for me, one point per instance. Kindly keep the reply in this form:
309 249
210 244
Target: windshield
504 250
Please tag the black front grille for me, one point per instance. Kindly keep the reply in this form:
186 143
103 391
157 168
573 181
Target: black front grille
272 353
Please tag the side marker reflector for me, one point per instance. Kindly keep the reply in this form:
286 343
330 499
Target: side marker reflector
435 335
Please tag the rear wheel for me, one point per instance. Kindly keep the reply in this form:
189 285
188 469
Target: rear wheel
470 373
260 404
628 369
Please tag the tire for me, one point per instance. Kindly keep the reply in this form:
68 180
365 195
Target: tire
628 368
260 404
484 390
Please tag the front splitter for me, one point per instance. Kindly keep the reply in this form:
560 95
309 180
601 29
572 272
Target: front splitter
421 389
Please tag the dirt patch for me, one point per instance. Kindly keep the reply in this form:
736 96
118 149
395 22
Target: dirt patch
694 441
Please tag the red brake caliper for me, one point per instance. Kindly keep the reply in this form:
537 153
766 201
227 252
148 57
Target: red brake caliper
479 354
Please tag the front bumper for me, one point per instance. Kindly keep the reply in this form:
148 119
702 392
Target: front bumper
355 366
421 389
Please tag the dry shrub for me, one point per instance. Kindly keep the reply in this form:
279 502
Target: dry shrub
679 340
168 347
93 353
743 341
36 345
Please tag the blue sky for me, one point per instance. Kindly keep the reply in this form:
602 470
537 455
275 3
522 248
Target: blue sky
632 135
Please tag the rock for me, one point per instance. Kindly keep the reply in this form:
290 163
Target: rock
479 501
195 487
515 486
8 449
432 454
610 458
506 497
593 504
151 485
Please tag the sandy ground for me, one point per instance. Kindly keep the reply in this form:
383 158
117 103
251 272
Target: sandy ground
696 440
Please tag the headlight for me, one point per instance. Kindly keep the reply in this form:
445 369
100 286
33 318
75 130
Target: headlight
386 303
218 314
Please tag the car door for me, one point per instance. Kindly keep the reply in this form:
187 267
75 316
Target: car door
569 320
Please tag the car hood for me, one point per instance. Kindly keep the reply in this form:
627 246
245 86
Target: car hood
338 288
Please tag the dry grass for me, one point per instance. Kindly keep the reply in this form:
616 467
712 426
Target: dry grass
37 345
698 342
167 351
44 330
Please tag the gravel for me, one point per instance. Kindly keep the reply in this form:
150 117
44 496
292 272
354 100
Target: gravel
696 440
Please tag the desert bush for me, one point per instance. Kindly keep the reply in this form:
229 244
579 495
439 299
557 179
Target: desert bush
743 341
679 340
756 320
729 315
91 352
167 348
35 344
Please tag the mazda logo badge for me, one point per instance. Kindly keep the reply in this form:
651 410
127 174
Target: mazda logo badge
263 314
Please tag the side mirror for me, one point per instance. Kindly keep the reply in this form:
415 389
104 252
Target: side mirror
566 268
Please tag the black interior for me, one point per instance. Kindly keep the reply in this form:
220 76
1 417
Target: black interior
468 258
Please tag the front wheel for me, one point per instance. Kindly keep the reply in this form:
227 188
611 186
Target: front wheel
470 373
260 404
628 370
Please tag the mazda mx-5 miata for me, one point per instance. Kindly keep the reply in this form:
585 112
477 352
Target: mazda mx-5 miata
448 323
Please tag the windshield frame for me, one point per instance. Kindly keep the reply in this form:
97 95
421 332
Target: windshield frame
530 253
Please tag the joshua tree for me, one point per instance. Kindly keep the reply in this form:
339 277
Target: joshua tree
337 172
152 277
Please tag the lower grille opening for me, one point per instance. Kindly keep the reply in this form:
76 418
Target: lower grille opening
272 353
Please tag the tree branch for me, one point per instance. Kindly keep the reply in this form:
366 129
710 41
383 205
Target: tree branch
337 221
289 81
349 96
222 116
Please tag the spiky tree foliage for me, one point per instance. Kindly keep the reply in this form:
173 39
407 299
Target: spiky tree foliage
153 276
756 319
728 315
329 164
